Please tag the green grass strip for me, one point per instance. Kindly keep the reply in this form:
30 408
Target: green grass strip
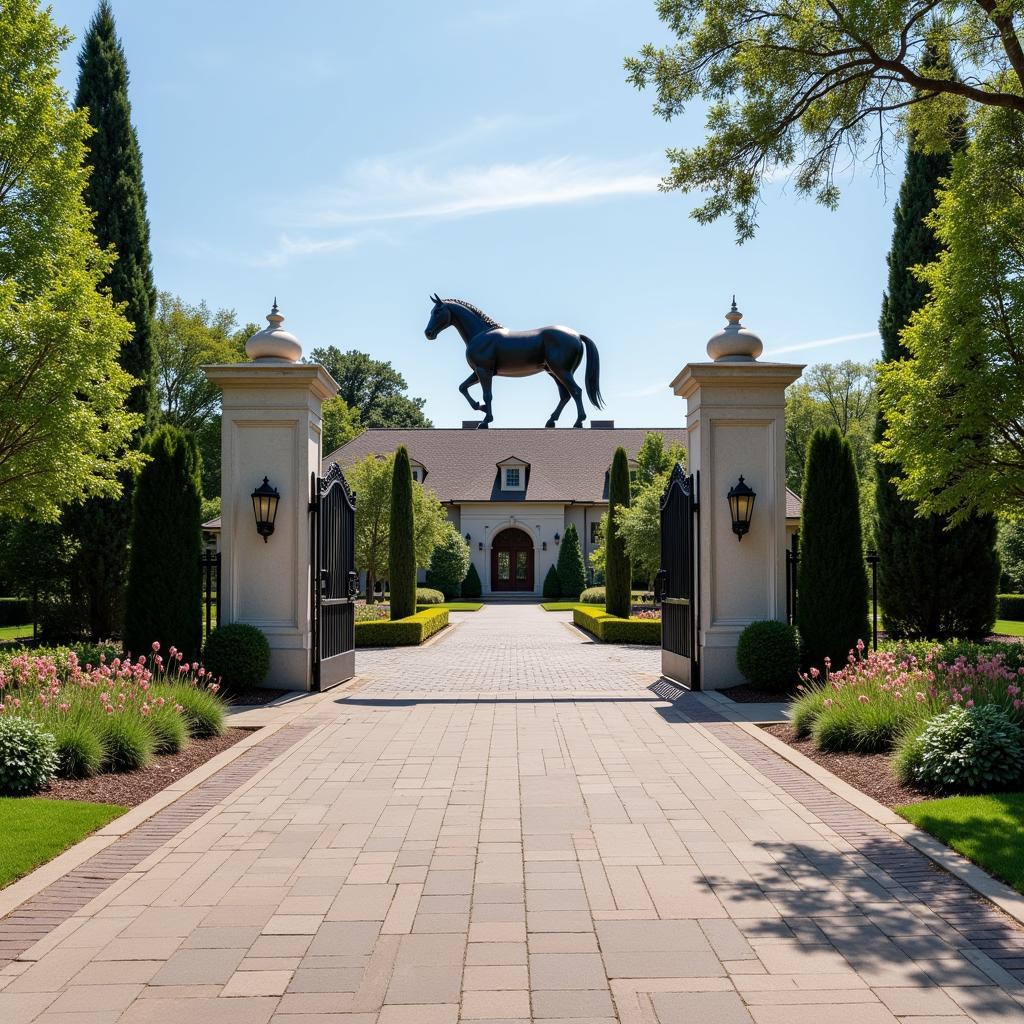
988 830
33 830
459 606
565 606
1008 628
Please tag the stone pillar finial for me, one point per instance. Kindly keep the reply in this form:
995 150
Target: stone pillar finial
273 342
735 343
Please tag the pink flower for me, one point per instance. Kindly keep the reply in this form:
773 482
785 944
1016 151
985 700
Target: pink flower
155 645
109 709
920 697
144 709
815 673
63 707
969 704
827 703
213 687
863 698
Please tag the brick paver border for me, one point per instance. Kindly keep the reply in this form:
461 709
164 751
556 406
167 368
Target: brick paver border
62 899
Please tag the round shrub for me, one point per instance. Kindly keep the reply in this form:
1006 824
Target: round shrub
127 742
28 756
969 750
238 655
592 595
79 746
168 728
552 585
768 654
425 595
203 711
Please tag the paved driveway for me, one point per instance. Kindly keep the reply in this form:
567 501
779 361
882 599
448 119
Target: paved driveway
431 850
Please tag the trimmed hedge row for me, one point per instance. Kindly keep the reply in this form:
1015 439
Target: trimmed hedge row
405 632
610 629
16 611
1010 607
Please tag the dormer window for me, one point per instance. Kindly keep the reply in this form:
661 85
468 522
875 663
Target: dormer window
512 474
512 478
419 473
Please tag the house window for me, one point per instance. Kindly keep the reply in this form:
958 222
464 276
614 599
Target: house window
594 527
417 474
512 478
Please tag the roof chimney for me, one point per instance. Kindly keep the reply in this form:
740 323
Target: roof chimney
602 424
470 424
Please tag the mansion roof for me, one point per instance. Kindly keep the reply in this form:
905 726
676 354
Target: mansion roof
561 465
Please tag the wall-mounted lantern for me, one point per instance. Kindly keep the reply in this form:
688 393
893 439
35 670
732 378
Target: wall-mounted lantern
741 507
481 545
264 506
558 538
468 538
543 545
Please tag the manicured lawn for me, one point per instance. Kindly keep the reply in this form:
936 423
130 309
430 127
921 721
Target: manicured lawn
460 606
1008 628
988 830
565 606
33 830
16 632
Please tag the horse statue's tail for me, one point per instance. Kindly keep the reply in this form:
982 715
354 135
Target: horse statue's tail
593 377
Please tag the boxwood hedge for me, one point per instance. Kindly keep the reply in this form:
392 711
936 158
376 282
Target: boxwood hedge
406 632
611 629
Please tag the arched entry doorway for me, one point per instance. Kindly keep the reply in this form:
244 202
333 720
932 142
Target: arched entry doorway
512 561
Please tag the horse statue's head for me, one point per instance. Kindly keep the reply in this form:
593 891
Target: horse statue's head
440 318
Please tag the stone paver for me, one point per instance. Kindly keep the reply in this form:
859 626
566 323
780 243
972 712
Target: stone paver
546 840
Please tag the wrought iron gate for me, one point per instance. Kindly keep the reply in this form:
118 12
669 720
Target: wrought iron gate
678 581
335 581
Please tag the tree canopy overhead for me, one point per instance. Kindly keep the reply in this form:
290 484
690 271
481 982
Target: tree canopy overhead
807 86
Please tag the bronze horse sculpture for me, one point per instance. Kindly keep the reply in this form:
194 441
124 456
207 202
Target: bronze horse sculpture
494 351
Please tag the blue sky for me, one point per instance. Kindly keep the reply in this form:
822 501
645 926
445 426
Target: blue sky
351 158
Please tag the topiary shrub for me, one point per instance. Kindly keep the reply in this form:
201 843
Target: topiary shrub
424 595
618 570
238 654
967 750
1011 607
572 576
768 654
402 539
449 563
28 756
593 595
552 584
471 586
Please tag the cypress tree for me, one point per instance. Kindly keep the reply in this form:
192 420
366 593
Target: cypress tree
932 582
618 571
472 588
116 195
572 576
552 584
402 539
164 595
832 610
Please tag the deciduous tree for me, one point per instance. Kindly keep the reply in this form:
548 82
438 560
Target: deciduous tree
449 563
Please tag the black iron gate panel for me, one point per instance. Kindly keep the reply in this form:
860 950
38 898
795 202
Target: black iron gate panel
335 581
678 582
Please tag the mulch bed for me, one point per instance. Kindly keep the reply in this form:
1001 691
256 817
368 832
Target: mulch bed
256 695
746 693
870 773
131 788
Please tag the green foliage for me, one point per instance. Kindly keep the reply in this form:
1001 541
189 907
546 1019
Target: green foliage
954 407
238 655
164 576
768 654
908 756
449 563
372 388
572 577
371 479
1011 606
341 423
807 86
128 743
969 750
402 539
804 711
833 606
869 728
1010 546
79 746
203 711
427 596
612 629
409 631
471 586
654 461
28 757
552 584
593 595
618 571
59 369
639 525
168 729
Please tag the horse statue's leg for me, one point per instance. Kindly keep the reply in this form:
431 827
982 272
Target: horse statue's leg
466 385
567 381
485 377
563 398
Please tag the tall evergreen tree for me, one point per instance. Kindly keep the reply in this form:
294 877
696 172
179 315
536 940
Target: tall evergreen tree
164 577
832 611
116 195
572 577
932 581
402 539
618 571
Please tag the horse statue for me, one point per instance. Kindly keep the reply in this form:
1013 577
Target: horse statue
493 350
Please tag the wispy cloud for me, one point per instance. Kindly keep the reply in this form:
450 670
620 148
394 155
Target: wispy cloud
823 342
654 389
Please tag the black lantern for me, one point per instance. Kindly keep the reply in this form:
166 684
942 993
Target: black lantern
741 507
468 538
264 506
557 539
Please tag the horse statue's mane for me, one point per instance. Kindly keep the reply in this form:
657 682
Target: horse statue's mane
490 321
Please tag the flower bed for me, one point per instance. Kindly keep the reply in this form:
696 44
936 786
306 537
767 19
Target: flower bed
114 715
402 632
952 716
611 629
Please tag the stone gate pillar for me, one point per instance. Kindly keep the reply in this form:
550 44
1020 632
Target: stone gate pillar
735 418
270 427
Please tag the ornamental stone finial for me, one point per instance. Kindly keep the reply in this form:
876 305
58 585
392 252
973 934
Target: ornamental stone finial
273 342
734 343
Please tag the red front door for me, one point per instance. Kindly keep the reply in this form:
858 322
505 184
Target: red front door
512 561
